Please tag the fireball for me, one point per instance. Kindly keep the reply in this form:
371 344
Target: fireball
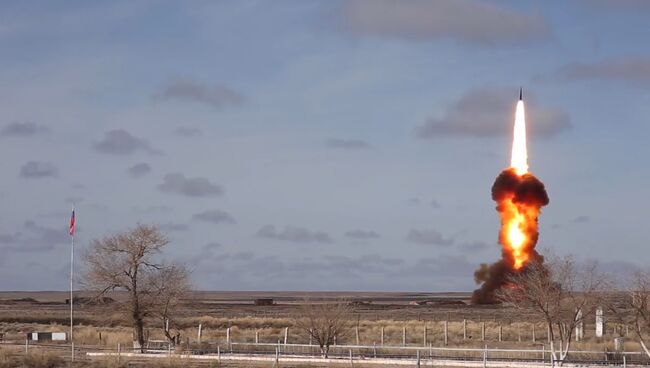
519 196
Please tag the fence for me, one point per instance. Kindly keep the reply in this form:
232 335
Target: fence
358 353
486 353
417 333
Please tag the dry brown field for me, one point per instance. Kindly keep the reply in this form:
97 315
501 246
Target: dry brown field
394 312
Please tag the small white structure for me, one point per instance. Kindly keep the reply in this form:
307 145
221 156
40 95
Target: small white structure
600 322
580 326
47 336
619 344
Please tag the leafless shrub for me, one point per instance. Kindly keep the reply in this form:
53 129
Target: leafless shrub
632 307
168 286
325 323
559 292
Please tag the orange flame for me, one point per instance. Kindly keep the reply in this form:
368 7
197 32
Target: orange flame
518 231
518 218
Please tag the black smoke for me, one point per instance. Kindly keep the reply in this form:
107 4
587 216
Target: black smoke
525 190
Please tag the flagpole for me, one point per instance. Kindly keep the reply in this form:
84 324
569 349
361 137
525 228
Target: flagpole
72 288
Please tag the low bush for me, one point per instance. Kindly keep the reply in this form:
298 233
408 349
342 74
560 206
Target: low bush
42 360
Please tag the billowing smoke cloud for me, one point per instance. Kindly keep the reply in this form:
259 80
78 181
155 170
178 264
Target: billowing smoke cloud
516 195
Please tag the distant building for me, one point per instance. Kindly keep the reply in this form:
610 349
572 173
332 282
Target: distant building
91 301
47 336
359 303
263 301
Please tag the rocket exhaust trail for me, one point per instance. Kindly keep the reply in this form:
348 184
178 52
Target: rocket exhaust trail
520 197
519 157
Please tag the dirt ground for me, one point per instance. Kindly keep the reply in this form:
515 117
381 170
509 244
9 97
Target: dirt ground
368 306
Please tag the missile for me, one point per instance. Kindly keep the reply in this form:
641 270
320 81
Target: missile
520 94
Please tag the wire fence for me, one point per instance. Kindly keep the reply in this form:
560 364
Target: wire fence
436 353
351 353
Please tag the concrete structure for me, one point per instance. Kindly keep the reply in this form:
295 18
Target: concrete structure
600 322
47 336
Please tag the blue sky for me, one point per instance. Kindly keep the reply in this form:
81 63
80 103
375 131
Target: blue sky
319 145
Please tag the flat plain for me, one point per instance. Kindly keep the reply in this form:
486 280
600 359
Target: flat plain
397 313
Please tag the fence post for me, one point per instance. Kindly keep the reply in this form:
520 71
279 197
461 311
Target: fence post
404 336
543 352
374 349
119 353
356 331
533 332
464 329
228 336
485 351
200 333
26 346
424 335
310 336
382 335
351 361
72 352
624 362
257 337
548 333
519 332
482 331
286 335
500 332
418 362
446 332
219 354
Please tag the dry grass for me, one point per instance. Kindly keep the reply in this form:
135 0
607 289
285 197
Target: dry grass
36 359
103 337
6 358
42 360
271 330
103 326
173 362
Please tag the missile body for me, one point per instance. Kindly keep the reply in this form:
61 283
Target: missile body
520 94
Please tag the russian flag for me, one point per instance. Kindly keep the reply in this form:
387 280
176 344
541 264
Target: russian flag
72 223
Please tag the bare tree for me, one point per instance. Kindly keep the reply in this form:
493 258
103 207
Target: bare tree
632 307
169 285
325 323
127 261
561 293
